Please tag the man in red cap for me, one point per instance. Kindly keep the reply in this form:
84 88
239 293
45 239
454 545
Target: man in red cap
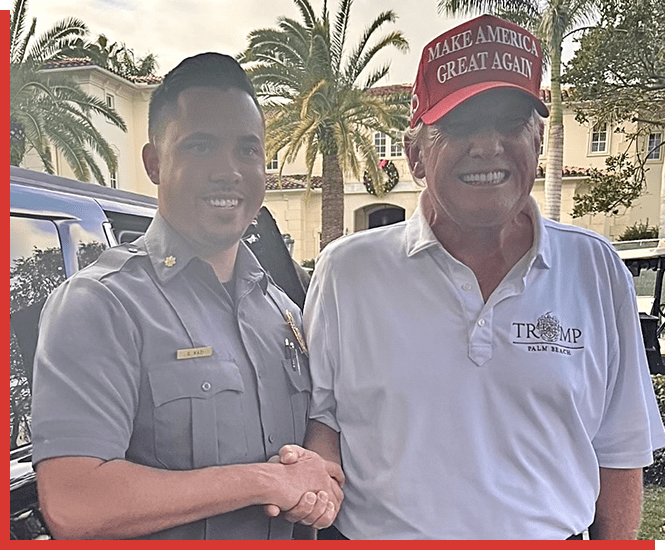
479 370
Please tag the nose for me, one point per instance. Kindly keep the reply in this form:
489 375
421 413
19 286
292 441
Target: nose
486 143
224 170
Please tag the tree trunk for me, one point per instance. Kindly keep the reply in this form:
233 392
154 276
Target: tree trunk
332 200
554 167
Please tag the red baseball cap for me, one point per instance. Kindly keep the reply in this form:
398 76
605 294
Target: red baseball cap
479 55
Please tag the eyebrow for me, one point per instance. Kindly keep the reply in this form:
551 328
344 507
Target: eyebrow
205 136
200 136
251 138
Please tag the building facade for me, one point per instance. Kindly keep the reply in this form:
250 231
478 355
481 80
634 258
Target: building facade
297 209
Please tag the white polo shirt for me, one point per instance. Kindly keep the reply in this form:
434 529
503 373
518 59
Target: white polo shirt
461 419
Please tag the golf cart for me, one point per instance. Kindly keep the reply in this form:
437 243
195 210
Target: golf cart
646 261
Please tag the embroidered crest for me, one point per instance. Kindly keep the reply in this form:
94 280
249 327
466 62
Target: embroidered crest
548 327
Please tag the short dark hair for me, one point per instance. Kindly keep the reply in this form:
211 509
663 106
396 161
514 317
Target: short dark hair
205 69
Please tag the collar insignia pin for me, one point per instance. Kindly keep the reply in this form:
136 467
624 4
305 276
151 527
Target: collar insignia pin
296 331
169 261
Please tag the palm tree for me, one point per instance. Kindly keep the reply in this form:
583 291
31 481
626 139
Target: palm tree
314 101
48 111
116 57
551 21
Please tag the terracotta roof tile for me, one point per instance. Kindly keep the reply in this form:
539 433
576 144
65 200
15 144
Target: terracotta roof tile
69 62
296 181
391 89
83 62
567 171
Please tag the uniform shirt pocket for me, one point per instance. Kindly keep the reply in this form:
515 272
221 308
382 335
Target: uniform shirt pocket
300 389
198 413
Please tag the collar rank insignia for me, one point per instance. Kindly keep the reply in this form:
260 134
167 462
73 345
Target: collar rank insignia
296 332
169 261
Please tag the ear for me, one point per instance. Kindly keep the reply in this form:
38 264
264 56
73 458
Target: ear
414 156
151 162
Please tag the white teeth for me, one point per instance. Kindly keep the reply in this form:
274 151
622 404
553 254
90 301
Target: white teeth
223 203
485 178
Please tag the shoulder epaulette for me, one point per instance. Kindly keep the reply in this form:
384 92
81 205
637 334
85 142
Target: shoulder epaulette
114 259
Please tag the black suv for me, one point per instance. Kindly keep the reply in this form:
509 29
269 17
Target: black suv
58 226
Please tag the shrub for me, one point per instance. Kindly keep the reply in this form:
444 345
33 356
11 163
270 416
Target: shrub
655 474
639 231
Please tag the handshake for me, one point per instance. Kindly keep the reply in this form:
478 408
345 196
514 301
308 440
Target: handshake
308 488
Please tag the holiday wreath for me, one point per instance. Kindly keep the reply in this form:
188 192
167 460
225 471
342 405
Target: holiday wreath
391 172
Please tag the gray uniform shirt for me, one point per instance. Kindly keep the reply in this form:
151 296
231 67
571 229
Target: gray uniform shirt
109 383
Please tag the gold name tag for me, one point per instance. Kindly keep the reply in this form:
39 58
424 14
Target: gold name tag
194 352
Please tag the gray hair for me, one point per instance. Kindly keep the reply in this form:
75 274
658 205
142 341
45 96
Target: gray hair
416 137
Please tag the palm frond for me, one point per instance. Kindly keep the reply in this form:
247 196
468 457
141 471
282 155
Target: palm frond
32 132
477 7
395 39
17 51
306 11
338 37
69 91
51 42
17 24
370 160
352 61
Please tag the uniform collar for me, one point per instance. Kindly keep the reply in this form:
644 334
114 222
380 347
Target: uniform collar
170 253
419 235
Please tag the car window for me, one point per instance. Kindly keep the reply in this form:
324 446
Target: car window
85 235
645 286
36 267
127 227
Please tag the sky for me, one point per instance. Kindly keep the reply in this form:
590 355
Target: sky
175 29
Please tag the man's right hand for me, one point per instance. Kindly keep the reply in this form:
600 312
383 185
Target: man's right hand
317 509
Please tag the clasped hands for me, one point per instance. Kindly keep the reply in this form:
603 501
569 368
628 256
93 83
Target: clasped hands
313 488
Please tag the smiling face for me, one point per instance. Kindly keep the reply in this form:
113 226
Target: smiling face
209 163
480 161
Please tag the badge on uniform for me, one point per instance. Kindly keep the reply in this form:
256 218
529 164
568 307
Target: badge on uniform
194 352
296 332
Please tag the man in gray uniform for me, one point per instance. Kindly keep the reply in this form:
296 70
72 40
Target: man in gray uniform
170 371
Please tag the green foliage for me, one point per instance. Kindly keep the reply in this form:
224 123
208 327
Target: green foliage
639 231
659 387
652 526
619 69
53 111
116 57
387 183
19 396
31 280
617 186
655 474
309 79
618 74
